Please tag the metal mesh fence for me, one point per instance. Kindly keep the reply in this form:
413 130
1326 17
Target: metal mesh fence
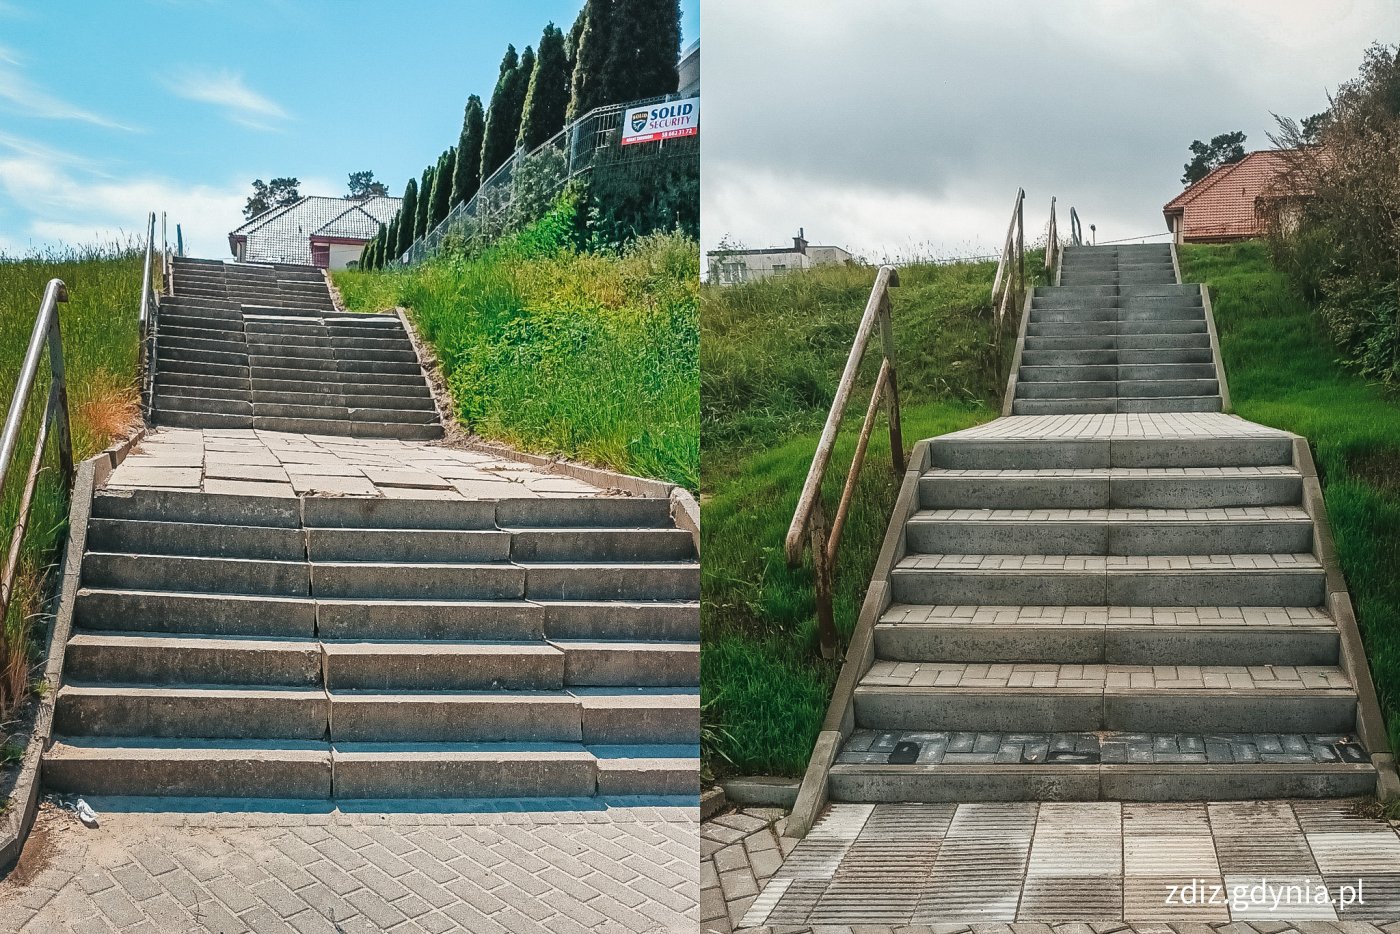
523 189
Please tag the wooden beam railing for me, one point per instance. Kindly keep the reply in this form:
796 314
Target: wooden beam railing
55 417
1010 282
146 318
809 527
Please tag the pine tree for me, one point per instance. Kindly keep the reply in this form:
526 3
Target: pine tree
644 50
547 97
407 213
466 175
588 82
442 187
425 197
507 102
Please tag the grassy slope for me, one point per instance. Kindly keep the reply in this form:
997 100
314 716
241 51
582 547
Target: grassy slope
1284 372
98 326
771 354
588 355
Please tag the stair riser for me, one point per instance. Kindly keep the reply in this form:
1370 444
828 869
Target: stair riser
1123 343
1102 328
1210 712
190 506
633 545
1031 357
430 621
1144 452
1092 493
426 719
658 666
1069 588
563 776
442 582
171 715
256 775
655 582
1048 537
1109 374
664 622
420 545
213 575
428 670
1096 315
167 402
1119 404
1114 645
135 537
629 725
1116 389
1105 783
166 664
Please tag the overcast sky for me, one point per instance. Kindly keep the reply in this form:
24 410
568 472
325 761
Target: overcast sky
904 127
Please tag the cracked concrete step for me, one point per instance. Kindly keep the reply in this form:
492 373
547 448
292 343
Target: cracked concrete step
1103 487
1248 530
176 419
185 768
194 506
166 658
1108 635
174 401
1132 698
1158 580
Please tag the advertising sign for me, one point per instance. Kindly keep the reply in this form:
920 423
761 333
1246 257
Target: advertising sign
670 120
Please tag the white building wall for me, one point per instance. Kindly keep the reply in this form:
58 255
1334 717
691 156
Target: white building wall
343 254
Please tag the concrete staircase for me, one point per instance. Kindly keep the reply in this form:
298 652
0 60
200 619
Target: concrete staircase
1079 603
260 346
1118 334
354 647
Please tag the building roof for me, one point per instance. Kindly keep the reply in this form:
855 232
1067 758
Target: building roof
1224 204
284 234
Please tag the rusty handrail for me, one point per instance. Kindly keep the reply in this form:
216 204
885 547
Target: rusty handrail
809 526
46 331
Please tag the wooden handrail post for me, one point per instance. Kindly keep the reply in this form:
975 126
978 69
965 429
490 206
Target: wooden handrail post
827 637
892 387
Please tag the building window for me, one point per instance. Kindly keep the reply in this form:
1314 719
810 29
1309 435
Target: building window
731 273
779 269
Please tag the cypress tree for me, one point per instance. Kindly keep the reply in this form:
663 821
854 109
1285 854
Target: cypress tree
363 261
547 97
442 187
380 238
588 82
645 49
507 102
425 197
391 242
466 174
572 40
405 219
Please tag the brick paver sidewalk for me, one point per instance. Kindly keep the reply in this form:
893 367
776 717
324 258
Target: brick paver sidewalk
615 870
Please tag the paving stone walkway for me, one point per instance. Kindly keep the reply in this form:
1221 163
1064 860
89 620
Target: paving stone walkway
484 868
958 867
740 851
251 462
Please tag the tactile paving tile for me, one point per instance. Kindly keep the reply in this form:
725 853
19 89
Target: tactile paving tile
886 870
1170 872
978 872
797 901
1378 896
1355 854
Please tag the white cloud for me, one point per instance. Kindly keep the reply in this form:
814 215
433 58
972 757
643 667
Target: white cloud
20 95
227 91
75 206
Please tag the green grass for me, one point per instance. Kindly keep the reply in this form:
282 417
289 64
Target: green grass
1284 371
592 356
771 355
99 329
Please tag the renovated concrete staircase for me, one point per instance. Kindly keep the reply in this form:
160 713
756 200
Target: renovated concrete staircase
1107 605
1118 334
260 346
355 647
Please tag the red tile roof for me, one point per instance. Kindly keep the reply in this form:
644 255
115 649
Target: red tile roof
1222 206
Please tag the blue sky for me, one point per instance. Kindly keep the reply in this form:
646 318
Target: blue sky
111 109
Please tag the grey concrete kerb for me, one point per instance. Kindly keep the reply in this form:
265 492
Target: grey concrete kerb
18 814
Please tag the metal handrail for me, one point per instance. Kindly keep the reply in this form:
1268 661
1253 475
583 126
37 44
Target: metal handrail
46 331
1052 239
809 527
146 321
1076 232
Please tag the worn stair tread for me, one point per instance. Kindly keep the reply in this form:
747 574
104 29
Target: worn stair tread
1146 473
1118 514
905 614
1136 564
1049 678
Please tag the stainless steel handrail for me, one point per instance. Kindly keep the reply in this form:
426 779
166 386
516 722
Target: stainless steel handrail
46 331
1076 232
146 321
1052 239
809 527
